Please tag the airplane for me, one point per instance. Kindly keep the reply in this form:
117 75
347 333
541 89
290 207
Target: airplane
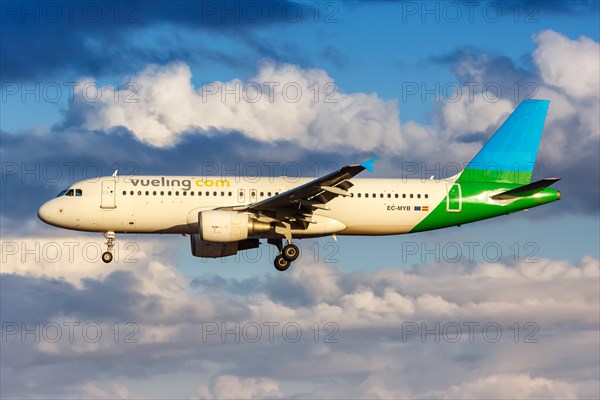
224 216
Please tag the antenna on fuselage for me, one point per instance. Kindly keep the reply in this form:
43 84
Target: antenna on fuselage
115 173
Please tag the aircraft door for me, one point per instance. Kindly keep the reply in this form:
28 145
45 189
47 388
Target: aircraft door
241 196
454 198
109 192
252 195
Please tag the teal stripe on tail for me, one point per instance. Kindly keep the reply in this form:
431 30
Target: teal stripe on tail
509 156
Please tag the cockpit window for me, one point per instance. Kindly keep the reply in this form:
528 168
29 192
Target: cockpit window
71 192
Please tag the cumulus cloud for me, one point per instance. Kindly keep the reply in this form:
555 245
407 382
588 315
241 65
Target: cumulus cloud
511 386
234 387
559 298
567 72
355 339
282 102
571 66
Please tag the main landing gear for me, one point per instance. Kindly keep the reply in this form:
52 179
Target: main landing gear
288 253
107 256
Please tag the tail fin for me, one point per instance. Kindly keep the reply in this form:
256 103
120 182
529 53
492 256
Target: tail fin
509 155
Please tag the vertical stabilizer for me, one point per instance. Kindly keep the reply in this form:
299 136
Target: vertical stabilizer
509 155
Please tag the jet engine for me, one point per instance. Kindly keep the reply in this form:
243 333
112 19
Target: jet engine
202 248
228 226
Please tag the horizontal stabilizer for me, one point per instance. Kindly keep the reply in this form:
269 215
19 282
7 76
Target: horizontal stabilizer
526 190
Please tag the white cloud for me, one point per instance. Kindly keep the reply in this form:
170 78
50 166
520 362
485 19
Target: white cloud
115 391
372 356
512 386
572 66
568 74
168 105
234 387
282 102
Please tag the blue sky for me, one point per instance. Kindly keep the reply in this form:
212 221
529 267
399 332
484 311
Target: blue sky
389 60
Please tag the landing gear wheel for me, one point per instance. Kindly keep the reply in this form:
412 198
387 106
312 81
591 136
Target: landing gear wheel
290 252
110 243
107 257
281 264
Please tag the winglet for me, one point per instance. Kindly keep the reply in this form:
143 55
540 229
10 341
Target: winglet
368 165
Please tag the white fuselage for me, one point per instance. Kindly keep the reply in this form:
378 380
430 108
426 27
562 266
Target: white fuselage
170 204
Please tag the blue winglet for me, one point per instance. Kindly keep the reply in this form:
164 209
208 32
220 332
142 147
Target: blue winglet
368 165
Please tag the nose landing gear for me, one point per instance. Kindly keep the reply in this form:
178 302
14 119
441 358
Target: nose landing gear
107 256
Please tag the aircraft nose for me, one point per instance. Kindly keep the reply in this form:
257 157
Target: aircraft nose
44 213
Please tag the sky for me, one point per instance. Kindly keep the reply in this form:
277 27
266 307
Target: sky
502 308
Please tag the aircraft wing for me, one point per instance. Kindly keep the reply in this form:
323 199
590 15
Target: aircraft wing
317 193
297 204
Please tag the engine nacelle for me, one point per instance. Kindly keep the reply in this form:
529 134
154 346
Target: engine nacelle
228 226
202 248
